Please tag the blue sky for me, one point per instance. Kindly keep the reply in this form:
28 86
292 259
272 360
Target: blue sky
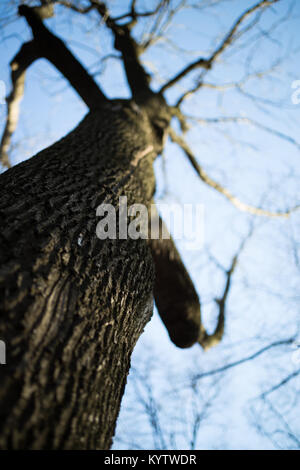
257 166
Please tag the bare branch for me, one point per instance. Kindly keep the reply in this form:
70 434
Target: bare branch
45 44
281 383
134 14
73 7
54 49
225 86
137 77
246 120
230 365
23 59
228 40
209 340
221 189
162 21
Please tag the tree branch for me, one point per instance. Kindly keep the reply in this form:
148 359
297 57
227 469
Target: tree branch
244 359
53 49
205 340
137 77
134 14
281 383
73 7
23 59
218 187
245 120
230 37
174 292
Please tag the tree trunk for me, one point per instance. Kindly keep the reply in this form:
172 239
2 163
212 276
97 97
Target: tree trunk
72 305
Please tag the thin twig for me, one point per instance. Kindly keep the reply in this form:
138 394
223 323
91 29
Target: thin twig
221 189
229 38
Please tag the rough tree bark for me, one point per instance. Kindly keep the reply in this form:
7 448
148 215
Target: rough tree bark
72 306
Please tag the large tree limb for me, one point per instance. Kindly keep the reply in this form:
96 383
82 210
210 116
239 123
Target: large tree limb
174 292
221 189
23 59
53 49
230 37
47 45
175 295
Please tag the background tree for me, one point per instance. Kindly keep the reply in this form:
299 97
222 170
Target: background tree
76 306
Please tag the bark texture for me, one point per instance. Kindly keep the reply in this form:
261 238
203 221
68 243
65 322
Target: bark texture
72 306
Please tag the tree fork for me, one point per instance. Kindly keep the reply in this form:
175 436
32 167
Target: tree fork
53 49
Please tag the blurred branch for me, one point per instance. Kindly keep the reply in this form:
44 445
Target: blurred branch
284 381
221 189
162 21
103 61
151 408
54 50
245 120
209 340
225 367
228 40
22 60
137 77
282 423
134 14
225 86
74 7
45 44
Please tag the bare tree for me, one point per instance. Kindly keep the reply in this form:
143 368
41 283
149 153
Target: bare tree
74 306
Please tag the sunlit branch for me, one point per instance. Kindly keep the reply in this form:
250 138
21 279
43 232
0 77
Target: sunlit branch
228 40
189 92
221 189
23 59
